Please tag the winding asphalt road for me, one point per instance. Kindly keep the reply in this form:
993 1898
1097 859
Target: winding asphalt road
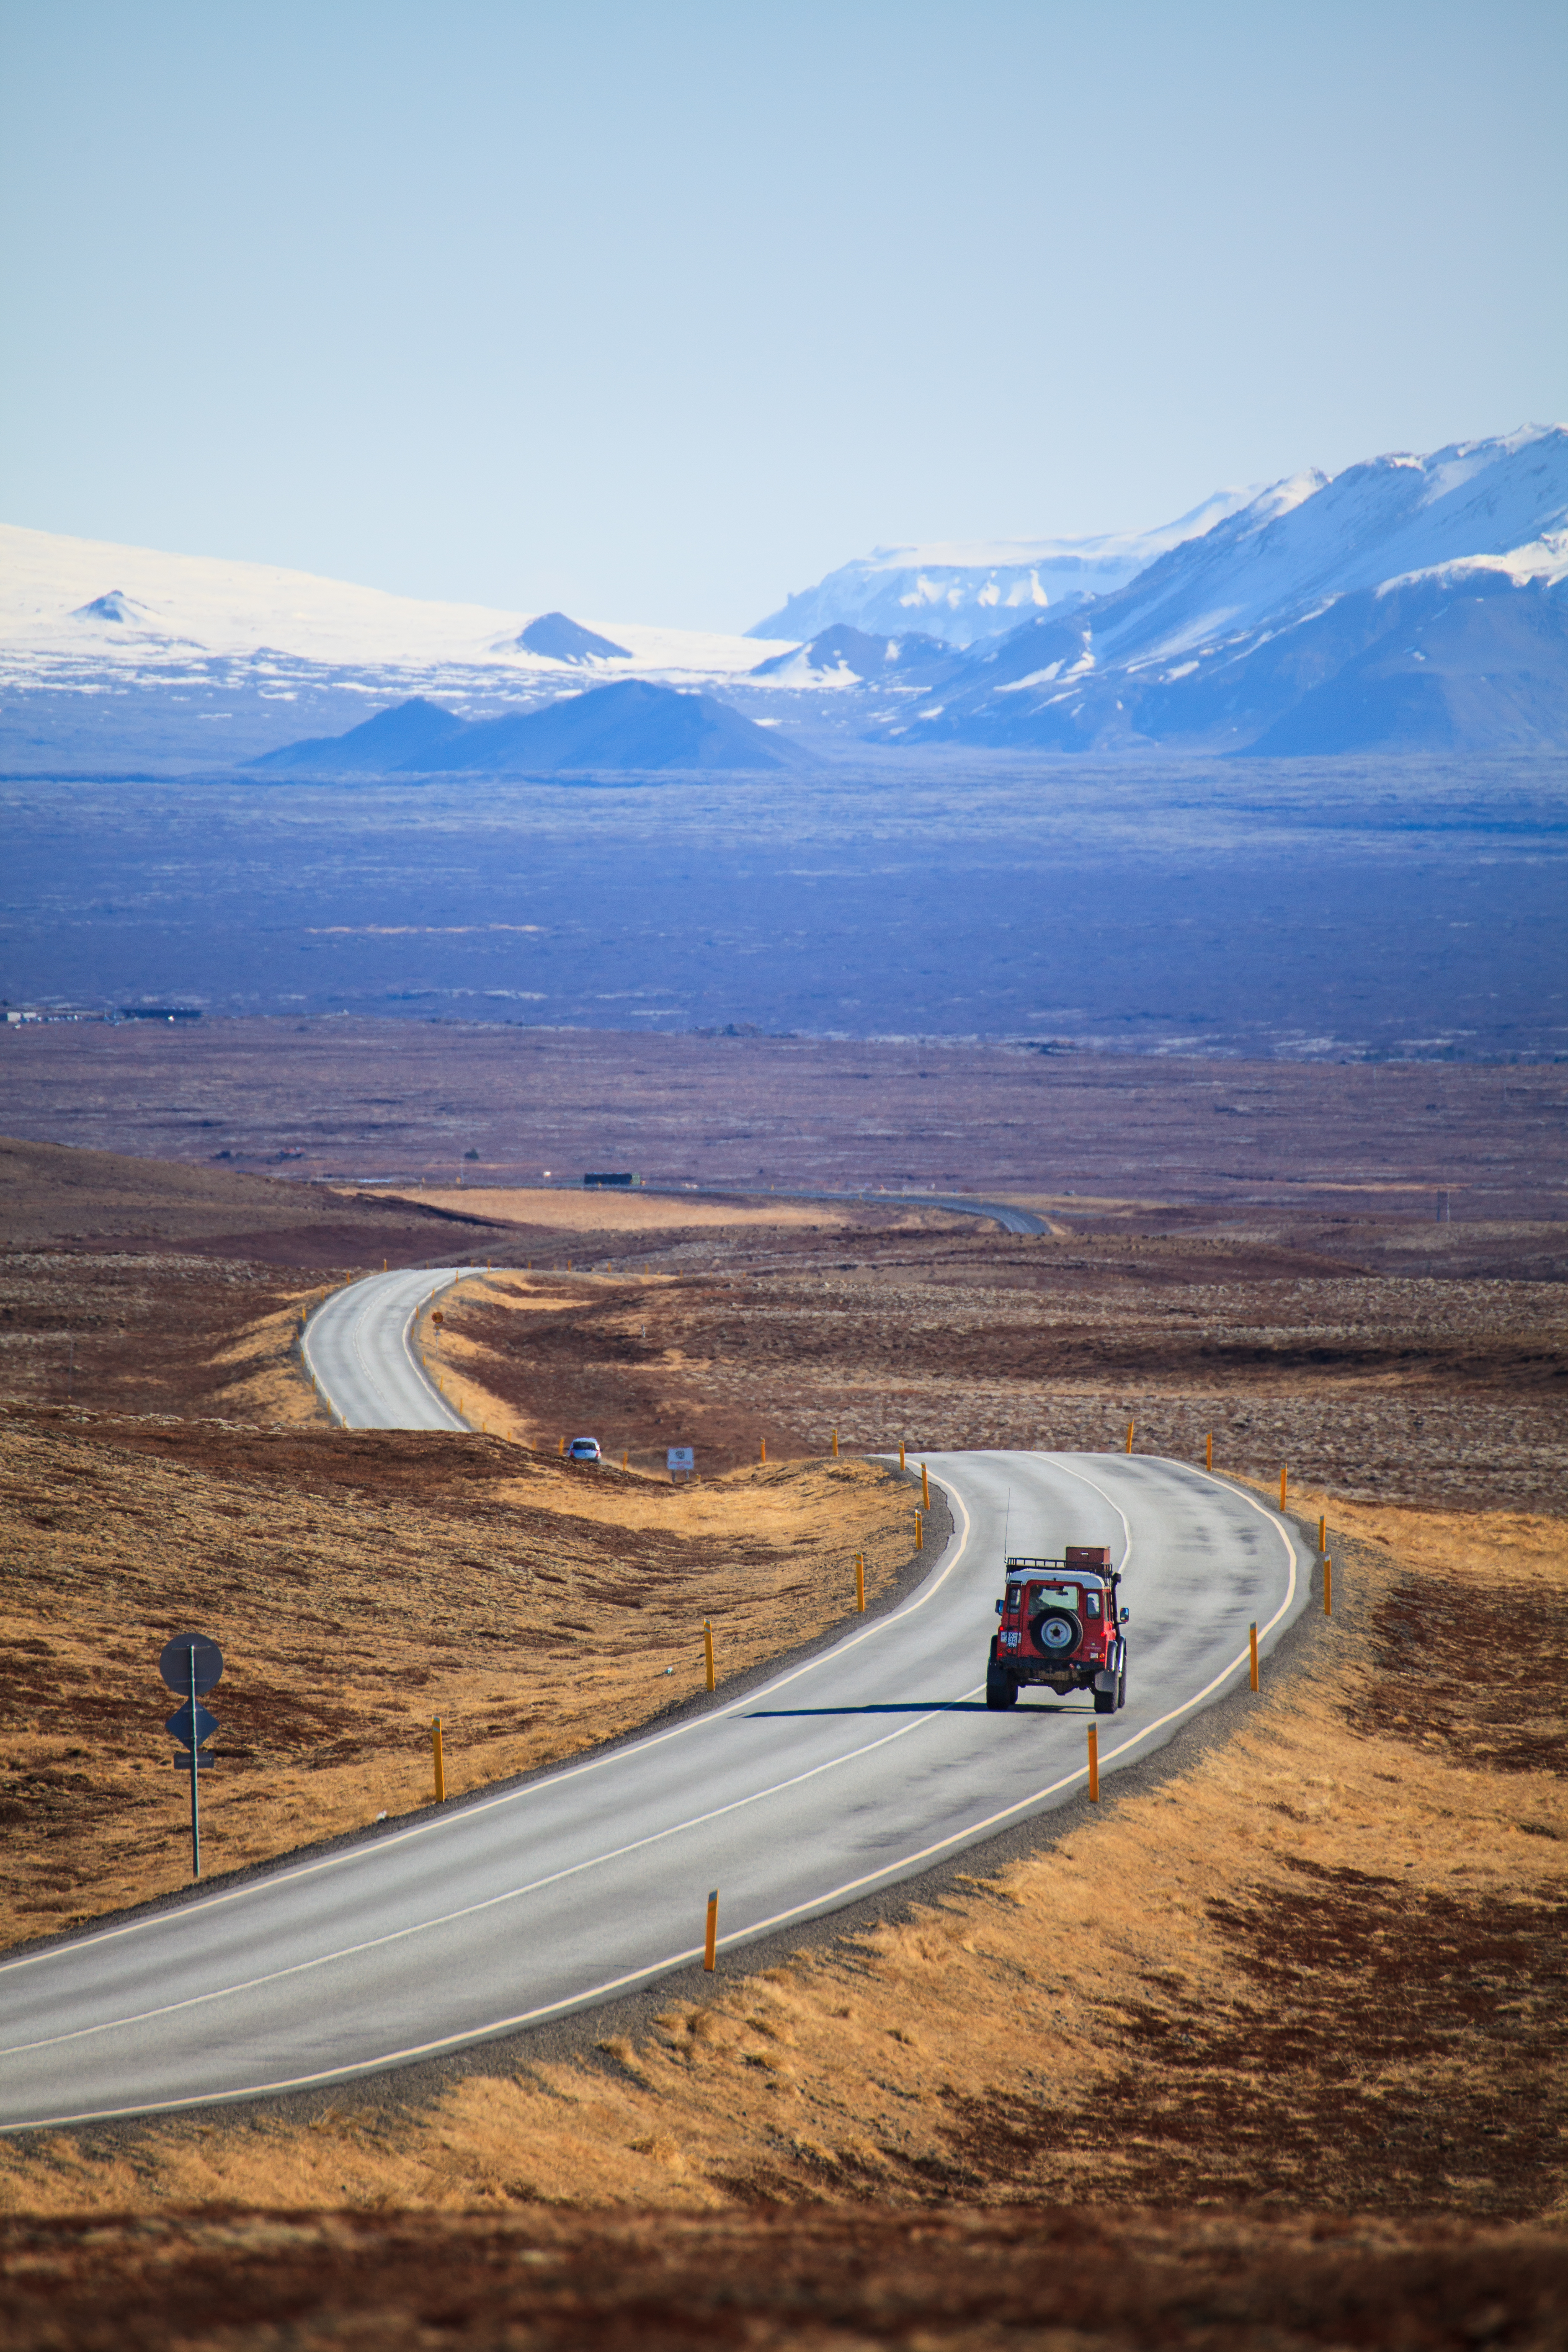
1011 1219
845 1774
357 1345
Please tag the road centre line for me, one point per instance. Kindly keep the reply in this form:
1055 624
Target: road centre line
639 1976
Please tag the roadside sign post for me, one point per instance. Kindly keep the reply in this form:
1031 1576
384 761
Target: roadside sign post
193 1736
680 1461
192 1664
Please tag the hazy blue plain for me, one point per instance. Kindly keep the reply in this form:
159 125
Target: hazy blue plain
1240 907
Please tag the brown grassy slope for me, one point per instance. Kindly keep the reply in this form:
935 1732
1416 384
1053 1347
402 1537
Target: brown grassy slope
359 1585
958 2282
138 1287
52 1196
1321 1967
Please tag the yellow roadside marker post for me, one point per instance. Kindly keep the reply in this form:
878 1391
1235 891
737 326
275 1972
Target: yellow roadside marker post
1093 1766
710 1942
900 1452
920 1533
1324 1534
563 1446
1130 1428
1208 1452
708 1648
925 1489
764 1452
861 1583
1328 1586
1252 1648
439 1761
836 1445
1282 1478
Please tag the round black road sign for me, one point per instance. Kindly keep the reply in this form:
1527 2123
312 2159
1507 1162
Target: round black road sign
174 1665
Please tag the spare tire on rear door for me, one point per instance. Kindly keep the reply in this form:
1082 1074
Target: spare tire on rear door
1056 1632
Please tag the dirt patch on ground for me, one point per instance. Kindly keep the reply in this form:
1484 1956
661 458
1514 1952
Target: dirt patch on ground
962 2282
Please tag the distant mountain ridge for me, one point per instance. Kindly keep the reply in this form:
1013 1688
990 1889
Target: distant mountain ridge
1221 639
1406 602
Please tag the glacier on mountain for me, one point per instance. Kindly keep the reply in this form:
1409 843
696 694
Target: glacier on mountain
966 591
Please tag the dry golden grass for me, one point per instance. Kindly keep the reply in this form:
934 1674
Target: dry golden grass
264 1382
1318 1966
615 1212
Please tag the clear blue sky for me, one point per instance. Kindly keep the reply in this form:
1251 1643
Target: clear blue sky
657 311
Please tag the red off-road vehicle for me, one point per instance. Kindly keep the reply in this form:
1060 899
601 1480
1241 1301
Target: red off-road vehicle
1061 1625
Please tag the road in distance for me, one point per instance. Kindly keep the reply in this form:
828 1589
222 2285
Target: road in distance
359 1346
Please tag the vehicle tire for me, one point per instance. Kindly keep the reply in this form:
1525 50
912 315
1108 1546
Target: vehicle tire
1001 1687
1105 1702
1056 1632
1122 1686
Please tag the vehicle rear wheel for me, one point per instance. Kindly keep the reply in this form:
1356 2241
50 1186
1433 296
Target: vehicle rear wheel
1001 1687
1121 1688
1105 1702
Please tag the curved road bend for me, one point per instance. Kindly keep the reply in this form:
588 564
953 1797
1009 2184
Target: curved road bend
845 1774
359 1345
1012 1220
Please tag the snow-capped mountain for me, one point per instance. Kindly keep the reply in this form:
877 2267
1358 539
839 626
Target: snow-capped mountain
71 604
846 657
966 591
1219 639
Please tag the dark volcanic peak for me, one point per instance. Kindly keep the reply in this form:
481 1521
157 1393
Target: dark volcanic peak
622 729
389 741
559 639
117 606
625 727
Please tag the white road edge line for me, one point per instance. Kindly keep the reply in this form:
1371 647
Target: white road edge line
473 2035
